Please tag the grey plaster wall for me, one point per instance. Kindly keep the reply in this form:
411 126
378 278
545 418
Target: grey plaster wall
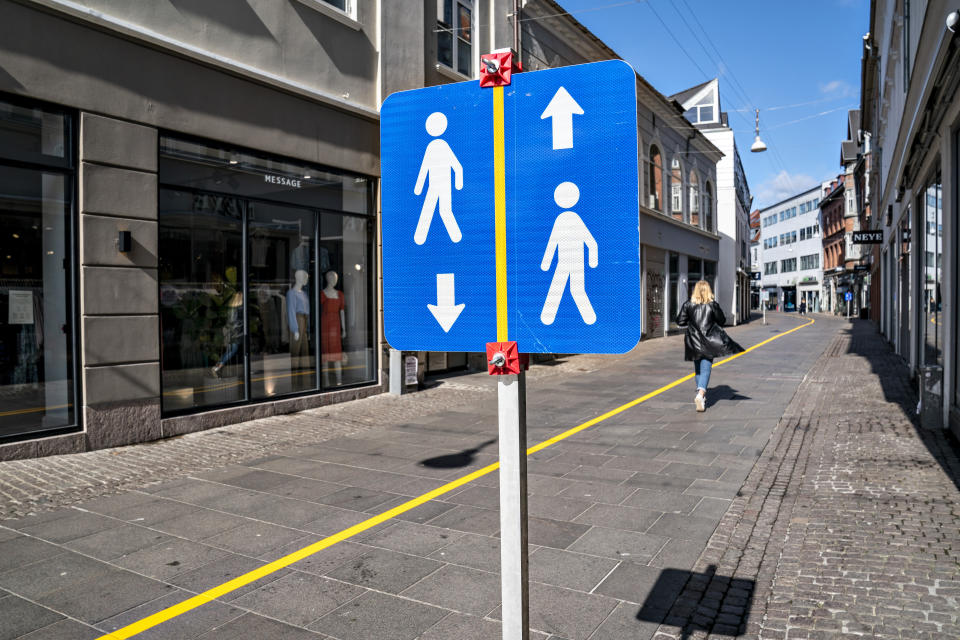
120 355
403 64
297 41
49 57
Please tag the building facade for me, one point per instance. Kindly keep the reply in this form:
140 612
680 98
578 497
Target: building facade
191 193
791 252
911 109
756 263
701 106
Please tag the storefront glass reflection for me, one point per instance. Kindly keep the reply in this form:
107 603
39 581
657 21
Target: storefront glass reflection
282 279
294 243
36 311
932 302
201 300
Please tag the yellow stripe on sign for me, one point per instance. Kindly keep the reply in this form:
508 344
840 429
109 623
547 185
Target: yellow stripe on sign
500 213
207 596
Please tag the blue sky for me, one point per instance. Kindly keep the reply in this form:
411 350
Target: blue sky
798 62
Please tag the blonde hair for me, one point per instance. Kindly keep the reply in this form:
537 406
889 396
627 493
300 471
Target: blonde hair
702 293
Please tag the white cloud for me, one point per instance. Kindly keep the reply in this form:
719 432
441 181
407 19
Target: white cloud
838 88
780 187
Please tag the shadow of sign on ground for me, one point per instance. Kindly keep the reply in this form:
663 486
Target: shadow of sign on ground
695 602
456 460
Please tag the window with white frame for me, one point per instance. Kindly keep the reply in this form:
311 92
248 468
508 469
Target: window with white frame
708 206
694 199
811 261
769 268
676 189
788 265
455 35
654 179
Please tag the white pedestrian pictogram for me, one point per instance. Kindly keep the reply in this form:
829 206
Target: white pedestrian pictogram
438 161
567 240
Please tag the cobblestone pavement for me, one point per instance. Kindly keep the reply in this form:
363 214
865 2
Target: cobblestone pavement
849 524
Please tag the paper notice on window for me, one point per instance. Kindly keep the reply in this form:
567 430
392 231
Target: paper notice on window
410 370
20 309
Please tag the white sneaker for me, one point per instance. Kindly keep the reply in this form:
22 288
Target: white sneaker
700 401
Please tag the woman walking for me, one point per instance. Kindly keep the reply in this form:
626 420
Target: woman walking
705 339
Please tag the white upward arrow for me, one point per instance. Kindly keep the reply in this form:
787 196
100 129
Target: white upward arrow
445 311
561 109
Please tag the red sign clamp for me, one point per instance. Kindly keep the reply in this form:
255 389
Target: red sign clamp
504 359
497 67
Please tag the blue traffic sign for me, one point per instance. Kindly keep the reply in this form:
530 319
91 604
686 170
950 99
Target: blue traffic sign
848 296
511 213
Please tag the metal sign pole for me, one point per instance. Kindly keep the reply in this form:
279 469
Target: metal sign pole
512 413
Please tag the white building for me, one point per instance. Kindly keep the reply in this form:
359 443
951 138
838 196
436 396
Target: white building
701 105
791 251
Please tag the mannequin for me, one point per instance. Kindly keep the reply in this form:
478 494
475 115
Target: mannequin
298 320
333 328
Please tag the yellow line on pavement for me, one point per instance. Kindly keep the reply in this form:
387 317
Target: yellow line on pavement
211 594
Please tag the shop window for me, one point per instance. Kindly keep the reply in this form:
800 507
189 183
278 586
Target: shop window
266 290
932 300
455 35
678 295
655 179
37 363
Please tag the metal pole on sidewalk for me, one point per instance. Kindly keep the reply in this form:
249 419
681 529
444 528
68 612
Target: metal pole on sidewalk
512 411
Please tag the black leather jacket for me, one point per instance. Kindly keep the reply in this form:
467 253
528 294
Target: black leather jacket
705 335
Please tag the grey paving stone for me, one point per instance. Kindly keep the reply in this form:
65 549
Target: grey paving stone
565 613
323 561
695 471
269 508
117 542
197 492
104 596
711 508
59 571
112 504
378 616
610 473
64 630
633 583
69 527
713 489
619 545
170 558
254 627
469 519
153 511
597 491
425 512
658 482
471 550
685 527
20 617
8 534
623 624
254 538
356 498
568 569
333 520
21 551
463 627
224 570
245 477
618 517
556 508
415 539
199 523
385 570
678 554
298 598
553 533
191 624
458 588
304 488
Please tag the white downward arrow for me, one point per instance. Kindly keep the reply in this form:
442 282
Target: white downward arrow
561 109
445 311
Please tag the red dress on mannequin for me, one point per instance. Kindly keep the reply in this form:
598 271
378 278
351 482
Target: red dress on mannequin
331 347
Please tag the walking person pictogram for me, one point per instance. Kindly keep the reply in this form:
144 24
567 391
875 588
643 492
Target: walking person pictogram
567 240
438 162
